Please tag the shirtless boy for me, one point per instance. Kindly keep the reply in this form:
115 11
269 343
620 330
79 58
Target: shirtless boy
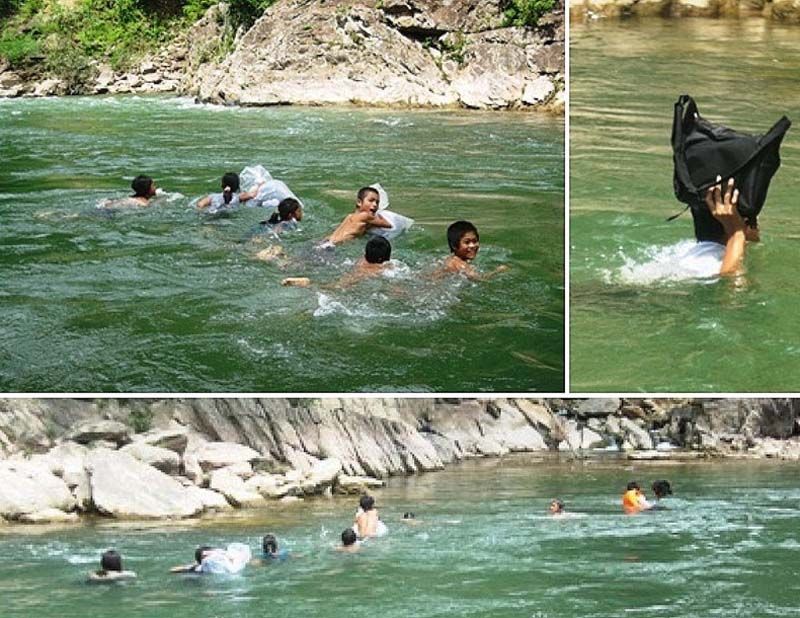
357 223
376 258
367 519
464 243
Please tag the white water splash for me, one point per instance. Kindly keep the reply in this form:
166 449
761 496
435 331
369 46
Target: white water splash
684 261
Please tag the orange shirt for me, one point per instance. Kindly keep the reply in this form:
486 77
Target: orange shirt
632 501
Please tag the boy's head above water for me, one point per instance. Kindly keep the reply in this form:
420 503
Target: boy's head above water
368 200
143 186
367 503
349 537
378 250
111 561
463 239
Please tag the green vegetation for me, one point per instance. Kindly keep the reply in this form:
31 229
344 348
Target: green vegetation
526 12
141 418
66 37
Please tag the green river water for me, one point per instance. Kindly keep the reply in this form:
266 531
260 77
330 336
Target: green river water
728 547
636 325
165 300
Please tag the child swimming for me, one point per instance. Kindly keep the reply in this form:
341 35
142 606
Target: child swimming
230 195
464 242
357 223
289 212
367 522
110 569
144 190
377 254
350 542
634 500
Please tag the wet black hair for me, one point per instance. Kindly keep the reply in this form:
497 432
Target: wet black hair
111 561
457 230
559 503
409 515
633 485
198 553
349 537
231 179
662 488
141 186
286 207
378 250
367 502
269 544
362 192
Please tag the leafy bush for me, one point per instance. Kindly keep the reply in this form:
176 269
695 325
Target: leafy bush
526 12
141 418
16 49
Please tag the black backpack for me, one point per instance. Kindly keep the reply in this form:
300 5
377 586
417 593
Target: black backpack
701 150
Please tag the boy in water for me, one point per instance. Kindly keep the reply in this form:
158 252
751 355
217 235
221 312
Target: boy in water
357 223
556 508
144 189
462 236
367 522
376 258
350 542
111 568
634 500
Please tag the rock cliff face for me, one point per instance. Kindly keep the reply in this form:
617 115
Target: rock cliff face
395 52
412 53
65 456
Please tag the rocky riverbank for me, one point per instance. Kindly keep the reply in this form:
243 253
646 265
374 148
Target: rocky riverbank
65 458
784 11
407 53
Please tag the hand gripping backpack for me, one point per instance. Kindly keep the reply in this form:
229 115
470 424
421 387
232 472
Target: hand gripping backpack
702 150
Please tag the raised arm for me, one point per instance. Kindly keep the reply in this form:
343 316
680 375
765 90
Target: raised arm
204 202
723 208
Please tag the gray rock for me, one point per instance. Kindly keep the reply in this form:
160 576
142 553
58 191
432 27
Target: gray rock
324 472
234 489
49 516
538 91
68 461
346 484
192 469
587 408
27 488
211 500
125 487
160 458
112 432
174 439
635 437
213 455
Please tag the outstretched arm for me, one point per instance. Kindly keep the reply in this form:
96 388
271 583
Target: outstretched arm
379 221
249 195
723 208
205 202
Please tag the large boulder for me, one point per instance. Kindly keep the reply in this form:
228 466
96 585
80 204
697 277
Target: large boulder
211 500
174 439
68 461
101 431
234 489
27 488
49 516
124 487
406 52
162 459
347 484
214 455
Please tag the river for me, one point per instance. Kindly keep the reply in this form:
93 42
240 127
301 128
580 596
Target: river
636 323
166 300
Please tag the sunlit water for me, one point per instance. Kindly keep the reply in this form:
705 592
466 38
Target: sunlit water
483 547
638 323
163 299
